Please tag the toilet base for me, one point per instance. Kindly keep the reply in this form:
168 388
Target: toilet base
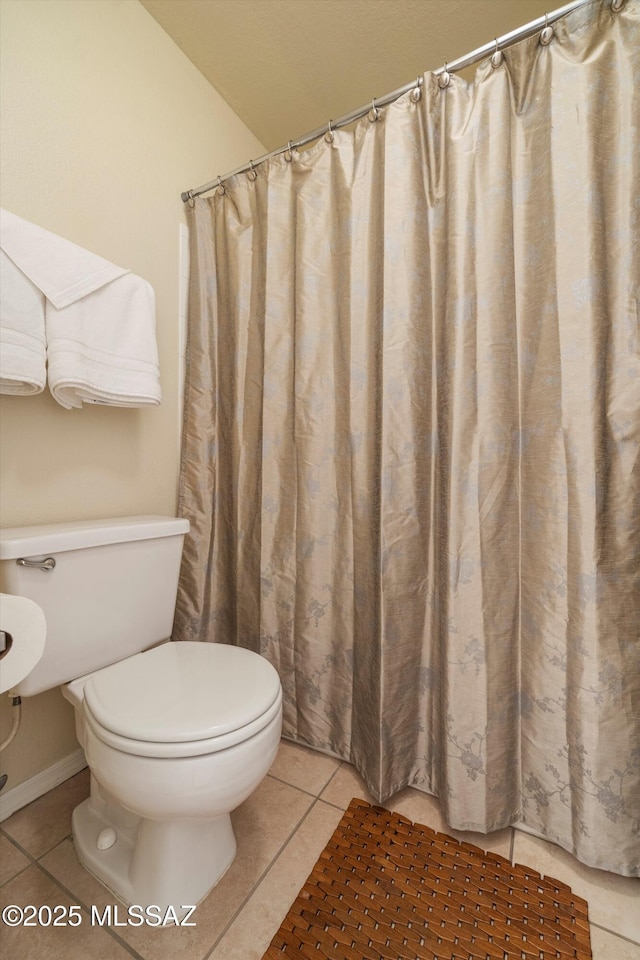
165 863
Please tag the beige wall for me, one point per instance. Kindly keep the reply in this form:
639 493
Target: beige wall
104 123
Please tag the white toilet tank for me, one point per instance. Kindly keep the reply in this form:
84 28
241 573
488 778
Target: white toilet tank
110 591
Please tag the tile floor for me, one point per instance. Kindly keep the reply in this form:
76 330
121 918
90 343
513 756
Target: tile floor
281 831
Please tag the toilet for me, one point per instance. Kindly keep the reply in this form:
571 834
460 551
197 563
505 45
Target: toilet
176 735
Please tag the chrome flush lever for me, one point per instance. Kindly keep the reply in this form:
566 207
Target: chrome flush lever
46 565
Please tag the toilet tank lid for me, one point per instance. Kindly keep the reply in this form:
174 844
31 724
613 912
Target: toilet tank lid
58 537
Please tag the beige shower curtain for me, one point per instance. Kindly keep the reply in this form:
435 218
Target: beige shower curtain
411 439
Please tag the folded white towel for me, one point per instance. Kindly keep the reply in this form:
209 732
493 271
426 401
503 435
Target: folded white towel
99 320
23 351
63 271
102 349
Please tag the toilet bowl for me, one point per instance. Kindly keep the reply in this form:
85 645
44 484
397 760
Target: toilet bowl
176 738
176 735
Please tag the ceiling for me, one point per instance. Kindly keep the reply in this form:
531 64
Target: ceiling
287 66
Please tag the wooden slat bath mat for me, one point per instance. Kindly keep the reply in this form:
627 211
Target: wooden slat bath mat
385 888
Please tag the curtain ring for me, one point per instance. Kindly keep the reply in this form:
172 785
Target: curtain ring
445 78
191 200
416 93
252 173
547 33
288 154
497 57
329 135
374 113
221 189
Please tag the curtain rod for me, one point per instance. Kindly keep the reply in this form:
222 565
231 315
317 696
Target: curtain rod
507 40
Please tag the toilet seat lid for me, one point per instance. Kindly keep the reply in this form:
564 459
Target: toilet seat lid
185 691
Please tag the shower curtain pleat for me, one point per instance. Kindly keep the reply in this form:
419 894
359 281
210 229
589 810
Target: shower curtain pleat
411 443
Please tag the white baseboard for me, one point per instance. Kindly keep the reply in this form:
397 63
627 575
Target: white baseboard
22 794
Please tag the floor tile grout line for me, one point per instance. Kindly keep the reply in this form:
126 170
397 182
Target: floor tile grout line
24 853
32 857
80 902
614 933
308 793
339 764
35 861
69 893
334 774
336 806
32 860
17 874
262 876
287 783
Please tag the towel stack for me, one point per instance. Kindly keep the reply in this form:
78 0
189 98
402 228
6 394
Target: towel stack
23 348
85 322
